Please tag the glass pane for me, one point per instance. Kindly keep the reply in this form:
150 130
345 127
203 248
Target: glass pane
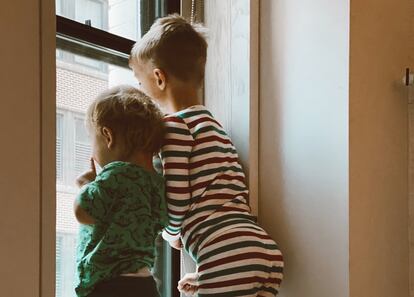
93 11
77 85
83 150
81 134
120 17
59 147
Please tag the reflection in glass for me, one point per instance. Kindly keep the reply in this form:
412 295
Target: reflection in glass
120 17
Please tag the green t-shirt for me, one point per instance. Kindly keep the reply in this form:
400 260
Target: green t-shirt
129 209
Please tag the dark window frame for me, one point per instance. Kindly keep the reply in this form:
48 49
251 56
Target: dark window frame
94 43
68 10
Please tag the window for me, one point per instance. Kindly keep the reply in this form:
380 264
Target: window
94 11
89 59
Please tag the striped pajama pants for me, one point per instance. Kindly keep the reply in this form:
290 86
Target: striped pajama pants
240 261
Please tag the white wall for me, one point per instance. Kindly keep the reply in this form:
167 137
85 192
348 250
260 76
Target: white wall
304 141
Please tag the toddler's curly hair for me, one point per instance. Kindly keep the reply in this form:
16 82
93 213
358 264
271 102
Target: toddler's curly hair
134 119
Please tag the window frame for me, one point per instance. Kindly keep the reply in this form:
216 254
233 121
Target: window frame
90 42
68 10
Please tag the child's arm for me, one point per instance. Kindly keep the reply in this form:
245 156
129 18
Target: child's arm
92 204
82 216
189 284
85 178
88 176
175 156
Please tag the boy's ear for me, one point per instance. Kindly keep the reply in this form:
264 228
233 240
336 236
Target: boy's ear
160 78
109 137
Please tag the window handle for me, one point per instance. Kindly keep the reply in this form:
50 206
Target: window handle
408 79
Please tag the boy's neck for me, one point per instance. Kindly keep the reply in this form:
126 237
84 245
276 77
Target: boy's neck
138 158
142 159
181 97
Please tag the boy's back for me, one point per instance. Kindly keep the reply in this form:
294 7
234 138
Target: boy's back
207 203
127 203
203 173
123 208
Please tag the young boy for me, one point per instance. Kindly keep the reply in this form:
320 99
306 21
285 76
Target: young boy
206 190
123 208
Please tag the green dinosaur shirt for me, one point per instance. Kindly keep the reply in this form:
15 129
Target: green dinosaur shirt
129 209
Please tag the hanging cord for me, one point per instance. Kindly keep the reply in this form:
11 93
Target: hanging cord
197 11
193 7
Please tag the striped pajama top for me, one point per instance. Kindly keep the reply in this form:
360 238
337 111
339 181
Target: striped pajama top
206 189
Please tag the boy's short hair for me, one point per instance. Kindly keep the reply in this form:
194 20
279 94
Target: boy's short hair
175 46
135 120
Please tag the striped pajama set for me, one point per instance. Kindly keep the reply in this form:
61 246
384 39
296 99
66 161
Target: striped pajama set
208 209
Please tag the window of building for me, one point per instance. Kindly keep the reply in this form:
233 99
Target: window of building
93 12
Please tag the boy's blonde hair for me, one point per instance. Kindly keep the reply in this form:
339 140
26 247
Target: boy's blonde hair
175 46
134 119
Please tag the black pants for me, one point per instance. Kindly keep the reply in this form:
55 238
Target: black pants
126 286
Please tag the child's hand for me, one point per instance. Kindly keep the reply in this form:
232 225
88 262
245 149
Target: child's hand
188 284
88 176
177 244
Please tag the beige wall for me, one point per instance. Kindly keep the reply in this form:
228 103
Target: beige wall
20 148
27 181
411 149
411 194
378 149
304 141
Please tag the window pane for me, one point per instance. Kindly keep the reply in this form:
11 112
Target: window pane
83 150
59 266
120 17
59 148
77 86
81 133
93 11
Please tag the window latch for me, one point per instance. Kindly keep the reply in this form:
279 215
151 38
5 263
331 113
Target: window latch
408 79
